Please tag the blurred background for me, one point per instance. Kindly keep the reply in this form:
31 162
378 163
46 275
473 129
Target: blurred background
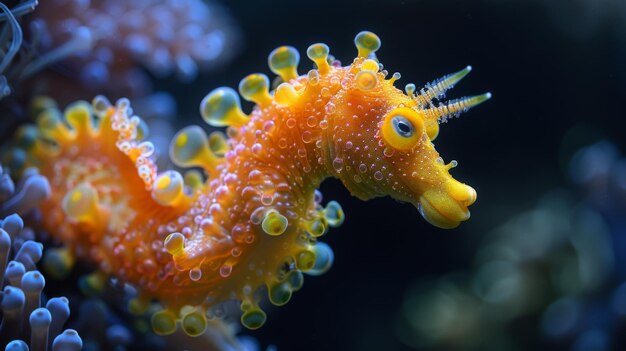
541 265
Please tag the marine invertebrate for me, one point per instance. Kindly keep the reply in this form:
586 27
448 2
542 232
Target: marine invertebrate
164 36
112 330
24 317
26 195
10 45
255 223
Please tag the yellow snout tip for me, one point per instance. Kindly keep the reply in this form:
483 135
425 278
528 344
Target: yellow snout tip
447 209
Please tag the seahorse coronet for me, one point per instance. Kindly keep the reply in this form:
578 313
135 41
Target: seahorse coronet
252 222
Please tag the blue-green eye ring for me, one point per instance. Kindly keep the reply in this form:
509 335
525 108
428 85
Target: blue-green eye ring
403 126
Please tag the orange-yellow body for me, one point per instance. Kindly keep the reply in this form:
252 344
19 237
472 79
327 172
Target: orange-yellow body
255 222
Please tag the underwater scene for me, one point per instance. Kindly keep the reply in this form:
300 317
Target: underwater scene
340 175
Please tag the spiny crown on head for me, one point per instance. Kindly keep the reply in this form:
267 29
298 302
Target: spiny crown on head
385 134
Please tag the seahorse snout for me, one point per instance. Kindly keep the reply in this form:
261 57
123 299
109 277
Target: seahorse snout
447 207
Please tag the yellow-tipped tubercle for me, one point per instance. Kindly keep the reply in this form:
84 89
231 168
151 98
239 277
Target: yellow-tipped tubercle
283 61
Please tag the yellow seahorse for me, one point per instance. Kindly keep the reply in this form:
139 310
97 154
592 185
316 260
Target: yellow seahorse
193 244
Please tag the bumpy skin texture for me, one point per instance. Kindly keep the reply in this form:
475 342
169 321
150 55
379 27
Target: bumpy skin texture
193 244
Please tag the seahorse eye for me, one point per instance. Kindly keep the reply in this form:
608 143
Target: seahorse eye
402 126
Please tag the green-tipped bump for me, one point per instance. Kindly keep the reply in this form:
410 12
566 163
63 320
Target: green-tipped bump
81 203
49 121
295 280
318 227
280 293
218 143
274 223
318 53
138 306
26 137
92 284
222 107
324 258
58 262
305 260
283 61
409 89
367 43
253 319
163 322
255 88
194 323
168 188
334 214
190 148
78 115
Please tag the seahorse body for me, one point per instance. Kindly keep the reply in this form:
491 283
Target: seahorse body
255 222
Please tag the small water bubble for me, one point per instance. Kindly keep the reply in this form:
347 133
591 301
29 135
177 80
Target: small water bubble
306 137
267 199
195 274
338 164
282 143
378 175
330 108
268 126
225 270
146 148
257 215
311 121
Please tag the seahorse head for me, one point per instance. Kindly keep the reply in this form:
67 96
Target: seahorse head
382 139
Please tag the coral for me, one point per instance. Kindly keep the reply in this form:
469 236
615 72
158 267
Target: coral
24 317
164 36
255 223
30 190
115 330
